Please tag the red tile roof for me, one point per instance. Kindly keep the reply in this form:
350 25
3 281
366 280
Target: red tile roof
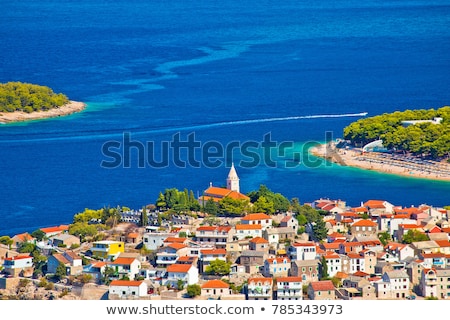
222 192
259 240
325 285
123 261
52 229
256 216
289 279
360 209
278 260
17 258
303 244
125 283
215 284
248 227
24 237
442 243
180 268
286 219
176 246
260 279
361 274
329 256
364 223
174 240
374 204
214 251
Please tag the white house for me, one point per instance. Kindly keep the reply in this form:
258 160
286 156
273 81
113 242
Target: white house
248 231
399 283
258 218
154 240
17 265
289 288
357 262
170 253
334 263
128 267
128 289
302 251
259 288
187 273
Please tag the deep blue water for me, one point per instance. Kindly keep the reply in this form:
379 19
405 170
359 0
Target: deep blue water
156 68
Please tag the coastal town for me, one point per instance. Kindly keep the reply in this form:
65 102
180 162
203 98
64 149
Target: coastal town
377 250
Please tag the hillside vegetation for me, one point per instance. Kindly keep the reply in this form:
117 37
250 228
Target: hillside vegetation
426 139
18 96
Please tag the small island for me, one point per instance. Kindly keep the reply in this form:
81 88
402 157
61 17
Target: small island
24 101
414 143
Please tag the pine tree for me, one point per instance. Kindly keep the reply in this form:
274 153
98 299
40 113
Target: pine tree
144 217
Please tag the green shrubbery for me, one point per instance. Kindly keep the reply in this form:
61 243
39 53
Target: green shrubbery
18 96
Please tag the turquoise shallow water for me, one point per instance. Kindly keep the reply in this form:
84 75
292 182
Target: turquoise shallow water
228 73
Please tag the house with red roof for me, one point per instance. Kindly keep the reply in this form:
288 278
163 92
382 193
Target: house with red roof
335 236
364 228
377 207
128 267
170 253
330 247
289 288
19 239
219 290
356 262
259 244
217 236
249 231
21 265
52 231
350 247
127 289
186 274
321 290
277 267
334 263
259 288
261 219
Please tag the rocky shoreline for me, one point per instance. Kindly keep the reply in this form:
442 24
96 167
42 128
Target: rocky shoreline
20 116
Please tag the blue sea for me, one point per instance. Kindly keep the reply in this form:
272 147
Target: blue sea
224 73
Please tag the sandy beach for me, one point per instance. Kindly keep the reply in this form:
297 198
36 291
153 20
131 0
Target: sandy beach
19 116
384 162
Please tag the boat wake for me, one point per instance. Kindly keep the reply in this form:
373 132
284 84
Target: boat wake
93 135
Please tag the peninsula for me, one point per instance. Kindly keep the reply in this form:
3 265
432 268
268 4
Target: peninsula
412 143
23 102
